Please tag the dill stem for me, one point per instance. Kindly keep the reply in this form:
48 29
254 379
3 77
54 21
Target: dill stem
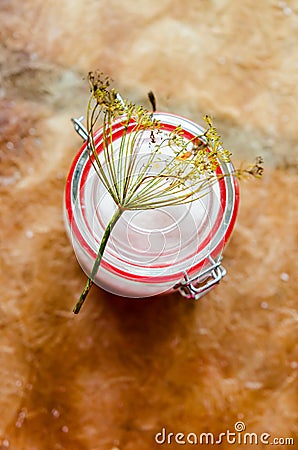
98 259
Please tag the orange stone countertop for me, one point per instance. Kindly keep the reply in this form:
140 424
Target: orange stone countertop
114 376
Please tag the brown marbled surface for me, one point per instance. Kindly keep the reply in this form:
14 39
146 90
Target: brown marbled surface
113 376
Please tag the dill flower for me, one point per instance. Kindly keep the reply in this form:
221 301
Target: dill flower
174 171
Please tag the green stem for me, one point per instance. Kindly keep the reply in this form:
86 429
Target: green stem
98 259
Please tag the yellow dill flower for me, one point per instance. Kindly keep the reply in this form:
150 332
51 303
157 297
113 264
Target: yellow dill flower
178 178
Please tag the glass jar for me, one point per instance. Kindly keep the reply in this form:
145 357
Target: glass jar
150 251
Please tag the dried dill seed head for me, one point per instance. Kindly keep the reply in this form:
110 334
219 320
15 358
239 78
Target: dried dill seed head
104 96
182 176
255 170
183 168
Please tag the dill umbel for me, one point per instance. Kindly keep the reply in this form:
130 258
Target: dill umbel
183 168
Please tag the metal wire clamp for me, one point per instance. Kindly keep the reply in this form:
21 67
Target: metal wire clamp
197 286
80 128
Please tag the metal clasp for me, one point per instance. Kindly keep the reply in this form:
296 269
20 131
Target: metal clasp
80 128
197 286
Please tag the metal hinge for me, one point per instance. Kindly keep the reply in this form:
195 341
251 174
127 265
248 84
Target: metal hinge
80 128
197 286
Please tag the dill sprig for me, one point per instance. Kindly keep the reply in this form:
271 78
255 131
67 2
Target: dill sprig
174 171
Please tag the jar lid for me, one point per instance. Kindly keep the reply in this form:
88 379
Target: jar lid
155 245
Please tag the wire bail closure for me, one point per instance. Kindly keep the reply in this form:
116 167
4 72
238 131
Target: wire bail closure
194 288
191 288
80 128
